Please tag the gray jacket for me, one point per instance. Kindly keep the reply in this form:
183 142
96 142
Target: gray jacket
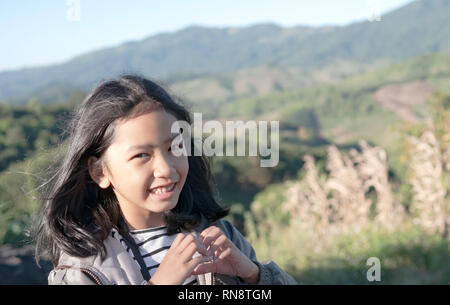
119 267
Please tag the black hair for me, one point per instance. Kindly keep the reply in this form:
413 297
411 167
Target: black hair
77 214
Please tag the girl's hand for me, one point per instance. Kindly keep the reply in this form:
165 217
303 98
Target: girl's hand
228 258
178 263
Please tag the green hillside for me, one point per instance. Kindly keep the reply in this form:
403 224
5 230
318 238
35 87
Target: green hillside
344 104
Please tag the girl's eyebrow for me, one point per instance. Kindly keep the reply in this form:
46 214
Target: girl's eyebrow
173 136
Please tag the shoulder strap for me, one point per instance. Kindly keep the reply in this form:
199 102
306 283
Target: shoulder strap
137 255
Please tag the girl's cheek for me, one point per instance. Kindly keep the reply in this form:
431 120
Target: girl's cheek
181 167
185 165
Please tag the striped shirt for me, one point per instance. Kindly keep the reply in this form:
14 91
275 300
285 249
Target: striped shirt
153 245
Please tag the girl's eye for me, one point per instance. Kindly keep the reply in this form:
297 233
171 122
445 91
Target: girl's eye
141 155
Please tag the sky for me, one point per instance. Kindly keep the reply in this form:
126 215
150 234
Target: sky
37 33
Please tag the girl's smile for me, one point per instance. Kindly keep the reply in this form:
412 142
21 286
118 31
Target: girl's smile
163 192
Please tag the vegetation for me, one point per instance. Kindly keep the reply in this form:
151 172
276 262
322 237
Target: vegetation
354 180
27 129
21 187
356 212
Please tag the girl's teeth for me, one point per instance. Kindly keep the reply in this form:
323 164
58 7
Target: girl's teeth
161 190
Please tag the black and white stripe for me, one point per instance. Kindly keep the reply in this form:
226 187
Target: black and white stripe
153 244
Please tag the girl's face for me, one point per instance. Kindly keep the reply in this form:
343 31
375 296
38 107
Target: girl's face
139 161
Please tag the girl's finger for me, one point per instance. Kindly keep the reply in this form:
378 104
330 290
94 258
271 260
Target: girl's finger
187 254
197 262
201 247
220 243
206 231
190 250
188 239
178 239
211 237
226 253
205 267
209 231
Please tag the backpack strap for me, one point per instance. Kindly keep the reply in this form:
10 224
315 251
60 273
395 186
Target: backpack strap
137 255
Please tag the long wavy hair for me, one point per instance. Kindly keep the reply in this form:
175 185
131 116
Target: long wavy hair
77 214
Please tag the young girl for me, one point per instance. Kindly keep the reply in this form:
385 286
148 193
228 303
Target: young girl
125 209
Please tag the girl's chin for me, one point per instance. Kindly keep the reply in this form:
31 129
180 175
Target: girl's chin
160 206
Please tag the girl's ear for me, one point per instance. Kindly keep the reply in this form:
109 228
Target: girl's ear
98 173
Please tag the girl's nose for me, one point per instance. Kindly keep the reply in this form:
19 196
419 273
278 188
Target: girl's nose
163 167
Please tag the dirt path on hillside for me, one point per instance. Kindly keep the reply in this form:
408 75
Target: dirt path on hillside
402 98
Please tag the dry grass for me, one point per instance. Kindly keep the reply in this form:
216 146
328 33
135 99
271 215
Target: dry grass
427 176
349 212
343 200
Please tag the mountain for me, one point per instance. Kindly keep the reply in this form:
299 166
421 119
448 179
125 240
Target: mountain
419 27
361 106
